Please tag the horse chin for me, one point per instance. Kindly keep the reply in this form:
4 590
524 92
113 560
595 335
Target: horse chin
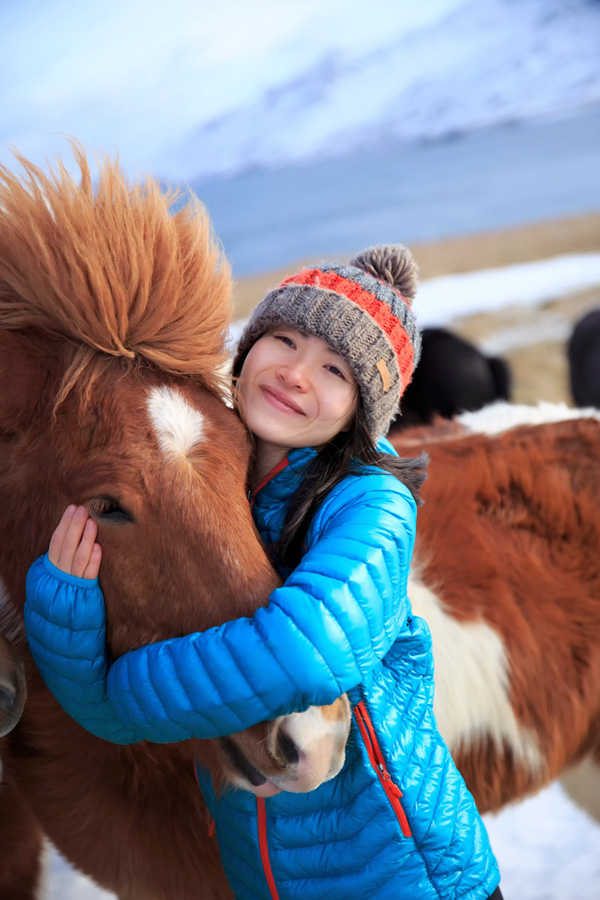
268 789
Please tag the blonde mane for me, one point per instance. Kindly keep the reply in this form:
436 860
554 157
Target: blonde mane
113 269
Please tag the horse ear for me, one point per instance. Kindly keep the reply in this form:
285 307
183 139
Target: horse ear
24 369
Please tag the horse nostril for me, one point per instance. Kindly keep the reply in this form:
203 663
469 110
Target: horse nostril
287 749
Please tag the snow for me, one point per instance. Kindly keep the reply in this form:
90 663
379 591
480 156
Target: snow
547 848
188 90
529 284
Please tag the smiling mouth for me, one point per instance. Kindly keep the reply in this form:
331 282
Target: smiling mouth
281 401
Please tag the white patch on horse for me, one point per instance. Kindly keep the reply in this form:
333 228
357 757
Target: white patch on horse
471 683
178 426
320 740
309 727
501 416
12 625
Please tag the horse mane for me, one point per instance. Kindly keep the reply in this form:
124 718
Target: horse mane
112 269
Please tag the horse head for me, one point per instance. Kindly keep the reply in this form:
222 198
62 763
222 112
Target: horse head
114 312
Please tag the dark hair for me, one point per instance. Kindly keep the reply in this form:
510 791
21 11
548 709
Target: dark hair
348 453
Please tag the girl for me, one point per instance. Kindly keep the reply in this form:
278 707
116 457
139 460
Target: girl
319 371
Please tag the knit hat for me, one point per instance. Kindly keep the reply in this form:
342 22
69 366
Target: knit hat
363 310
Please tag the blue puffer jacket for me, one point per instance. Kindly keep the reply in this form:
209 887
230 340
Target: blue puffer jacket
341 622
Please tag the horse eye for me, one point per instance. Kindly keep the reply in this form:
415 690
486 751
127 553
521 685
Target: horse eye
109 510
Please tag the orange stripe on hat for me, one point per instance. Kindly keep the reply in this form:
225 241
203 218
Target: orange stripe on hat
379 311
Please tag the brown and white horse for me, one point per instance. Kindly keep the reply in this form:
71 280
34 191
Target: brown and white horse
113 322
506 572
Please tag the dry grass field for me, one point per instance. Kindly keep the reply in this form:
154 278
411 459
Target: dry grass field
534 337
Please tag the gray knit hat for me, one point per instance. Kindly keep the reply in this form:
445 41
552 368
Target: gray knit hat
362 310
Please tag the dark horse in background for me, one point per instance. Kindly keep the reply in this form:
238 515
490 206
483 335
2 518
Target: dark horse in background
113 320
453 376
583 352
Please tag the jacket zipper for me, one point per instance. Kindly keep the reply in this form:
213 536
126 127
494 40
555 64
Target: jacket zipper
264 847
394 794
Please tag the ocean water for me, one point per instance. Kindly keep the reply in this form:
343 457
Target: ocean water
405 193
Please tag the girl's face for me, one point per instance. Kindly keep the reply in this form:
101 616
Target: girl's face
295 391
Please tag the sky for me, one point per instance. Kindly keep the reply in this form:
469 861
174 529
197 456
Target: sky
133 74
194 87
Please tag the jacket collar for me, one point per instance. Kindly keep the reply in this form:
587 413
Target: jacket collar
287 474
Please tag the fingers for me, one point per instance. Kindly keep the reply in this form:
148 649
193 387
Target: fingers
72 544
57 539
93 567
83 553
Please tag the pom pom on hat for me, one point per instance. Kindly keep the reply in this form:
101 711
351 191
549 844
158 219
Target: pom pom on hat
392 263
363 310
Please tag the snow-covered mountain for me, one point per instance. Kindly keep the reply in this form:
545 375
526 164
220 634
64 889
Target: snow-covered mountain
186 90
468 65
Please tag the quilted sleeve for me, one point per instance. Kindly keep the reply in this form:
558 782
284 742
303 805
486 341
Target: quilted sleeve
320 634
66 630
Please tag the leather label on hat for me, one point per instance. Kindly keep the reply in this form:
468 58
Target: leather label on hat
386 381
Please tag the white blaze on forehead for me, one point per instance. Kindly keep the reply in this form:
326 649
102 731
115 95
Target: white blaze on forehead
471 683
178 426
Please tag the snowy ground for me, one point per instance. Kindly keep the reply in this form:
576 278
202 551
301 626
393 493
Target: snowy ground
548 849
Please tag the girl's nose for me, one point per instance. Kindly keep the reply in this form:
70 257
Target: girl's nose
293 375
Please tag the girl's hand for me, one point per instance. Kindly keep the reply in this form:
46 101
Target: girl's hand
73 547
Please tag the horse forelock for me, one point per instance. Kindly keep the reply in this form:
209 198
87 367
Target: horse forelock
112 268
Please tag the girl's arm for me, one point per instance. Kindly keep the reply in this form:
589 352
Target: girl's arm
320 634
66 626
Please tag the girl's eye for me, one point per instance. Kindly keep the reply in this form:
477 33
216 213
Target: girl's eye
286 340
108 509
335 371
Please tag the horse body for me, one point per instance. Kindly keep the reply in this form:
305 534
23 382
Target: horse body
506 573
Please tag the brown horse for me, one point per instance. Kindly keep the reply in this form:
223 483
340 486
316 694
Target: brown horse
506 572
113 320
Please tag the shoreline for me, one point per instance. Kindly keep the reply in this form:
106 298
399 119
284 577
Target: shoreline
455 255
